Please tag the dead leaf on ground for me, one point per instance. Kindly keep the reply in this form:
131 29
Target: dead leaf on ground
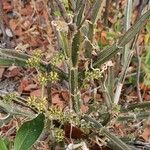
103 38
76 132
146 133
65 95
37 93
7 7
13 24
56 100
13 71
31 87
147 97
86 98
84 108
23 84
27 11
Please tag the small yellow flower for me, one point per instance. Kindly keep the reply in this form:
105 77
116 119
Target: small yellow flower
42 79
53 77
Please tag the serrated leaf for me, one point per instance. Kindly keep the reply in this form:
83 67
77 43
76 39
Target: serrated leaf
29 133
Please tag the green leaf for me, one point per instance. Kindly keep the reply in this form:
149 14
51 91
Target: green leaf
29 133
3 145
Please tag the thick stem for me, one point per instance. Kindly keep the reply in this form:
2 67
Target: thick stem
119 143
49 87
75 95
108 53
73 80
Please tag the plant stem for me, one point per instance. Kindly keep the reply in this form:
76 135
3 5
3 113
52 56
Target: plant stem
131 107
73 80
138 73
108 53
49 87
134 116
119 143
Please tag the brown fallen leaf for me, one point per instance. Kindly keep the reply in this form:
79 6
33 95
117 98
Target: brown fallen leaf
31 87
13 24
103 38
7 6
65 95
146 133
26 11
23 84
37 93
74 132
14 71
57 100
84 108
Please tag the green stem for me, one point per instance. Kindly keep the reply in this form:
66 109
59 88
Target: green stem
134 116
119 143
73 80
75 96
141 105
108 53
8 57
49 87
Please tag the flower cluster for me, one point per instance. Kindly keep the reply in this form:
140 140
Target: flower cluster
42 79
52 77
56 113
35 60
58 58
9 97
59 134
38 103
92 74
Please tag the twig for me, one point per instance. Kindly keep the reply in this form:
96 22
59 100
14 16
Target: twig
106 13
65 15
5 37
138 74
63 11
49 87
122 78
52 18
